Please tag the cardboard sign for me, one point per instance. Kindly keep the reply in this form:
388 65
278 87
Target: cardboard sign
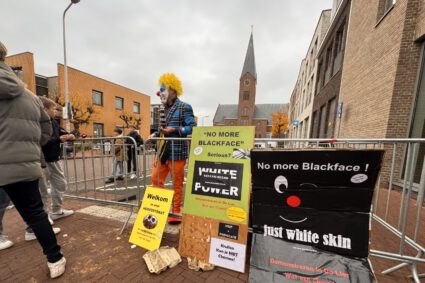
229 254
152 217
218 180
345 233
278 261
319 198
216 203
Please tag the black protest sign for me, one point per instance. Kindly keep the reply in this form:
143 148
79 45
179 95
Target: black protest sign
277 261
321 169
326 179
229 231
345 233
217 179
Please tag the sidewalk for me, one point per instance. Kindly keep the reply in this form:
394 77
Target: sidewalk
95 254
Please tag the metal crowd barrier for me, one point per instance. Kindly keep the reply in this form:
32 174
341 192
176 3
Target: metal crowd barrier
86 171
401 162
88 165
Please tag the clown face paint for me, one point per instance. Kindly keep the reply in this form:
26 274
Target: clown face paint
163 94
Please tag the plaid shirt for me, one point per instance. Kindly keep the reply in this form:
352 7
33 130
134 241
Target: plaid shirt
180 116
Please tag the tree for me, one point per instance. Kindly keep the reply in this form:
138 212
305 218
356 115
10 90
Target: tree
130 119
279 124
83 111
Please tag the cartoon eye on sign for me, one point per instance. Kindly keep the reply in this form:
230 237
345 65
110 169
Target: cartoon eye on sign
280 180
150 221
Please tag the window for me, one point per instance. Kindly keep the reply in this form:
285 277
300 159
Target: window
136 107
258 126
245 95
330 119
328 69
97 97
384 7
388 5
339 46
246 82
323 121
319 77
245 111
18 72
98 130
119 103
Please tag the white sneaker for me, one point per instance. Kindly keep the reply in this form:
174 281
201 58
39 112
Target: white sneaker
61 214
31 236
50 219
133 176
5 243
57 268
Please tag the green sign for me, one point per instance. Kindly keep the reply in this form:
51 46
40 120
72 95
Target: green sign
218 181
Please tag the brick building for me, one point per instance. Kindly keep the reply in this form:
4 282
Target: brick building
246 112
301 103
376 79
383 81
109 98
330 59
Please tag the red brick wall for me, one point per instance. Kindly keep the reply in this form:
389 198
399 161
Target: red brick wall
84 83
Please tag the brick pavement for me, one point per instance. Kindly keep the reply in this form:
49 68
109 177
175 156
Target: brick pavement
95 254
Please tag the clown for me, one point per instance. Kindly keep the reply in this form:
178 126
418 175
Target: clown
178 123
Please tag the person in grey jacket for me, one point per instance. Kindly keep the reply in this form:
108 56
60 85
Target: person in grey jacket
23 127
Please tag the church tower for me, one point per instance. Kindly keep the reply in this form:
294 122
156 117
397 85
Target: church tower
247 87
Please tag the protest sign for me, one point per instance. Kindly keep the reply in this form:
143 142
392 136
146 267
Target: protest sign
218 176
278 261
216 204
152 217
317 198
320 179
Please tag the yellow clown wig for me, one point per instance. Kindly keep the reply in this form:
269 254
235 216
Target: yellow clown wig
171 81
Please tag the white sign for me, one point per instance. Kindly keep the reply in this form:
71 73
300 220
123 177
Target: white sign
227 254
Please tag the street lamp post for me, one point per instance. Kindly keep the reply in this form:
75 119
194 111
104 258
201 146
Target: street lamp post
67 110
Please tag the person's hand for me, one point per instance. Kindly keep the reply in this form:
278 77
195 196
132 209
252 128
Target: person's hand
168 130
63 138
70 137
151 136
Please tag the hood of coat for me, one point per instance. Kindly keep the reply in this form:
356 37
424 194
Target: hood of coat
10 85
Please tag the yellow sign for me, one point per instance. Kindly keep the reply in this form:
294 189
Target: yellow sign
236 214
152 217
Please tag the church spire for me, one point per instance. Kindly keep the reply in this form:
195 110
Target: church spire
249 65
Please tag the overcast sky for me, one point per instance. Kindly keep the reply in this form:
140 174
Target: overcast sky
132 42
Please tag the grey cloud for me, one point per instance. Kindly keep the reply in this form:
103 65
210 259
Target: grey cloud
204 42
